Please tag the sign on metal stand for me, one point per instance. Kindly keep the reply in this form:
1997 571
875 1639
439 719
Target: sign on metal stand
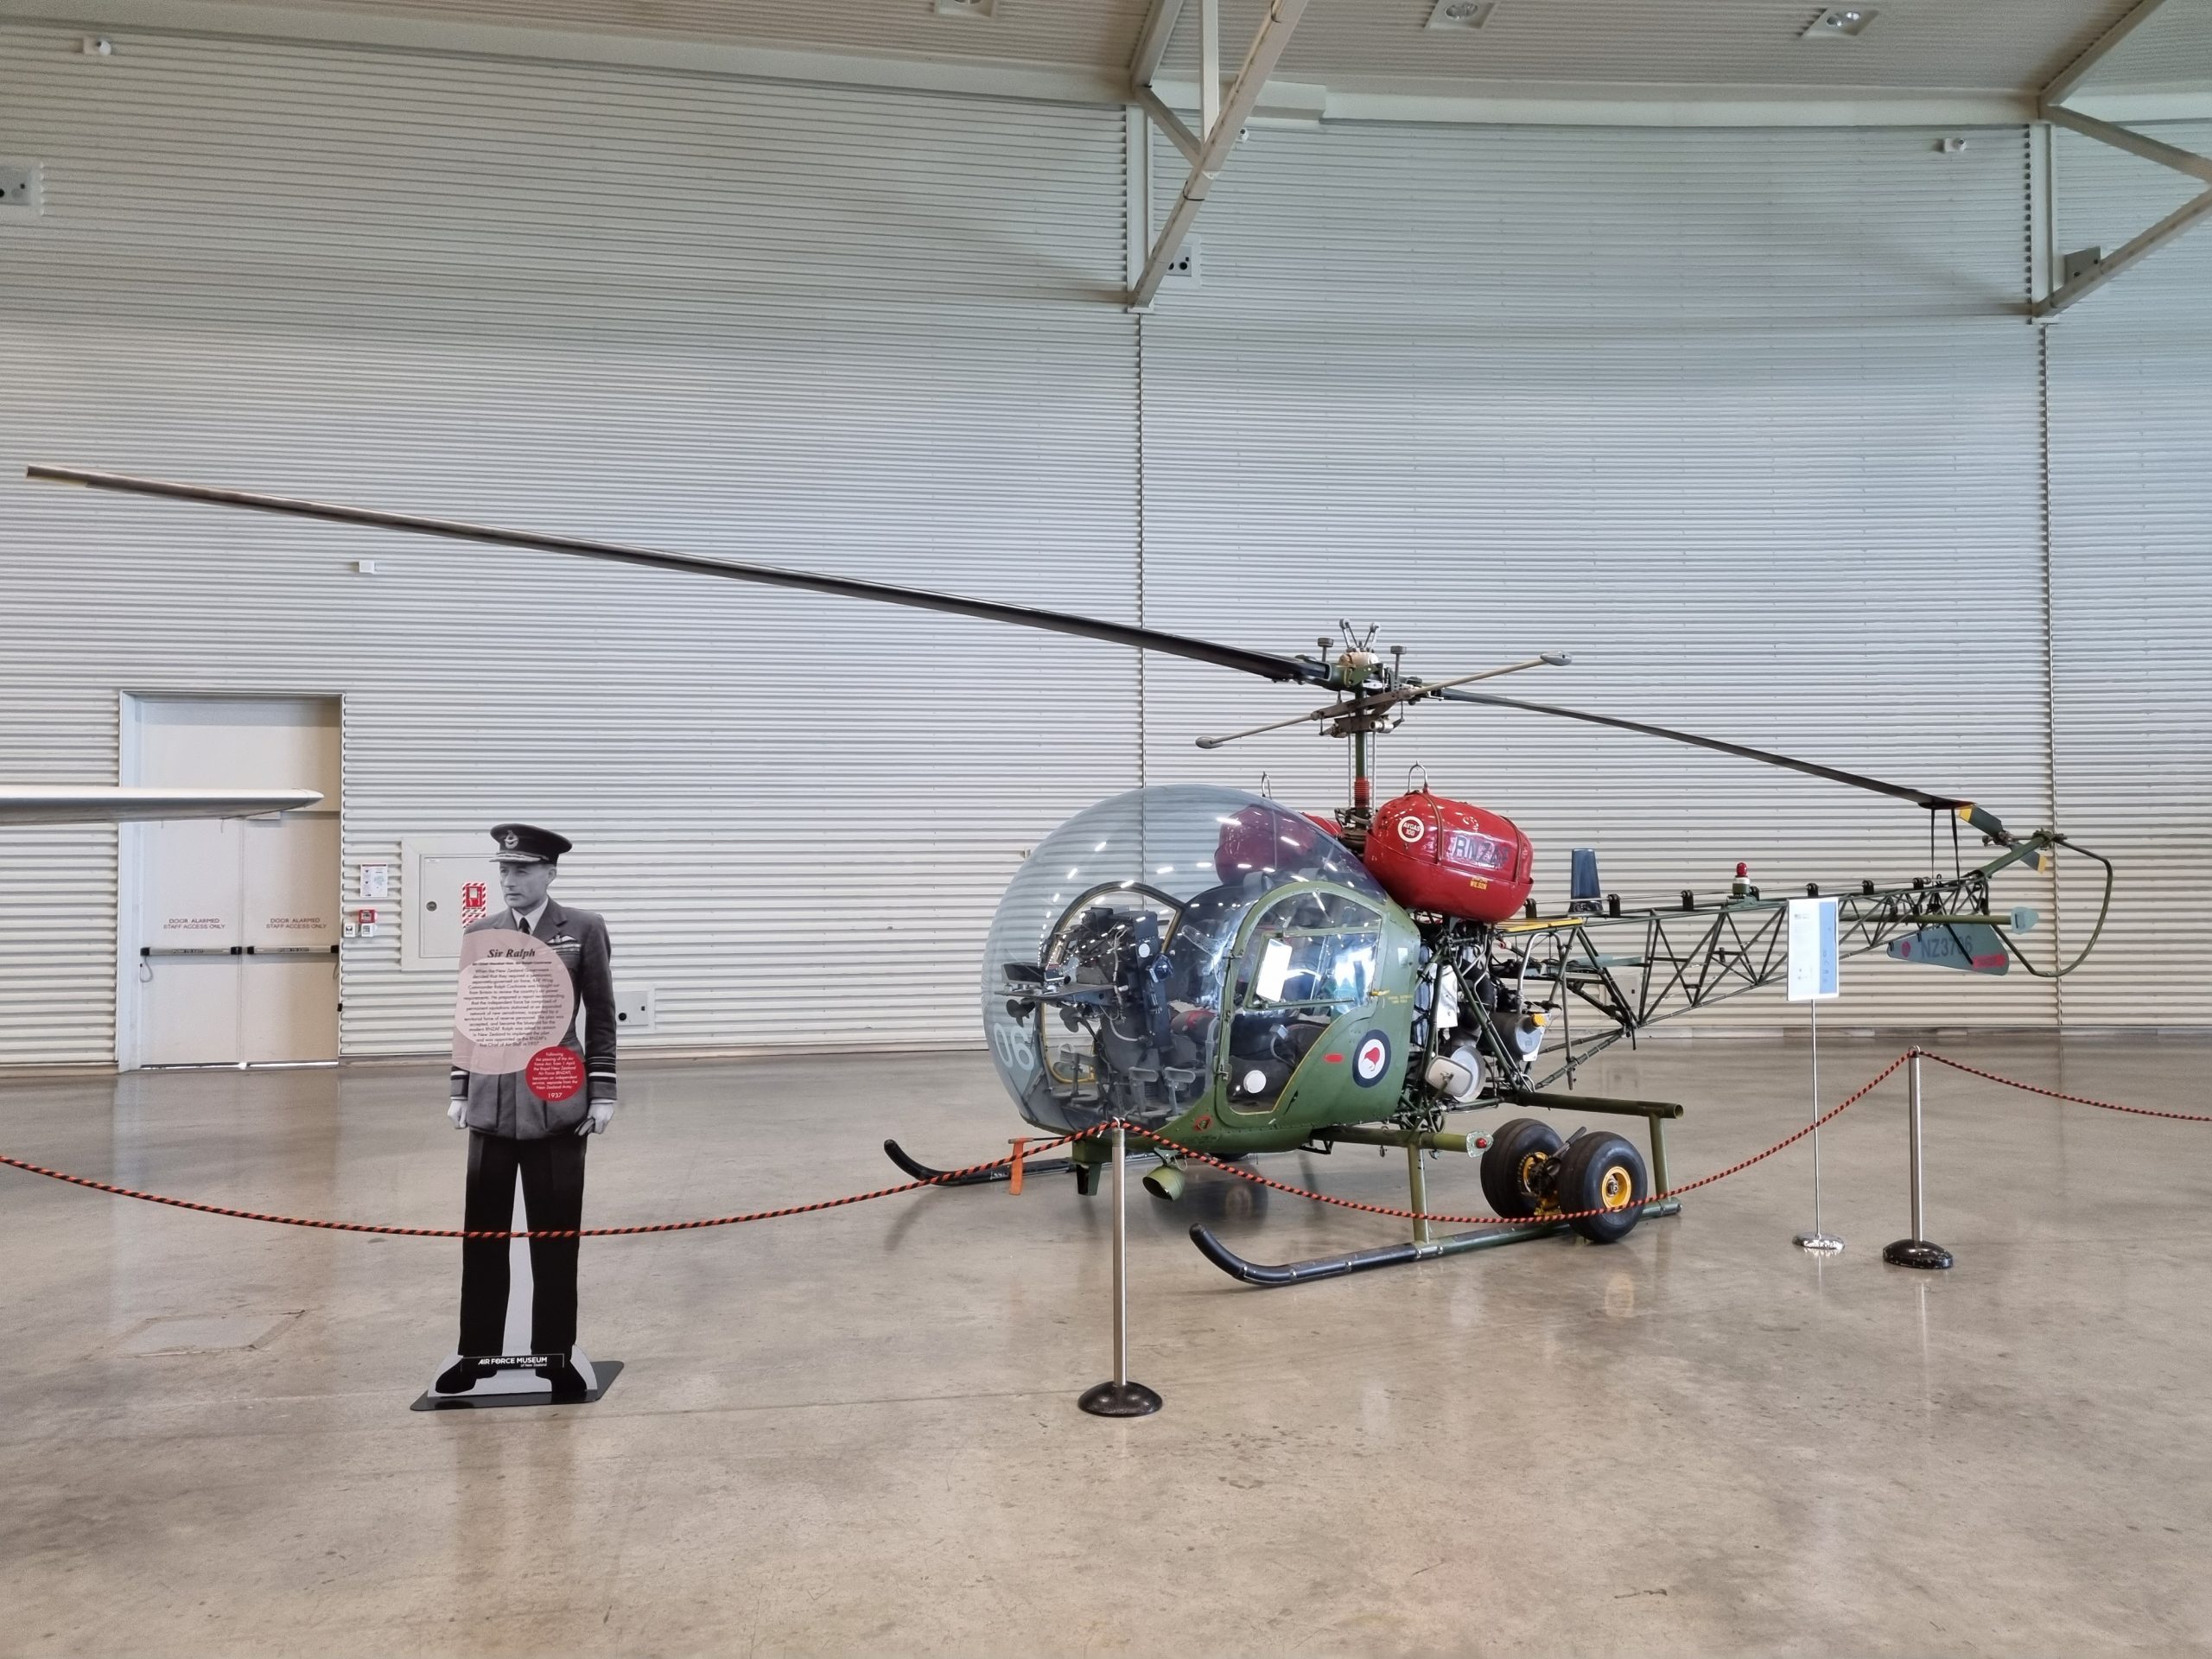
1120 1397
1916 1251
1812 981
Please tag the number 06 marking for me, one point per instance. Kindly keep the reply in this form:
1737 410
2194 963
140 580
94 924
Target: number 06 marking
1015 1051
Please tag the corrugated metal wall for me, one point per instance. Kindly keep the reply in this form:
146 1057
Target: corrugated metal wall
2130 415
867 333
1735 417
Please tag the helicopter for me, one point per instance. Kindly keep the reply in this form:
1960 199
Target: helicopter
1226 977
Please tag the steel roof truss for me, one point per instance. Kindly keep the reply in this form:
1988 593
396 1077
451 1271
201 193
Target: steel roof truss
2094 272
1221 118
2069 81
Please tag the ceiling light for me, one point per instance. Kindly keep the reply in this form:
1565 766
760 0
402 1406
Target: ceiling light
1840 20
1461 14
965 8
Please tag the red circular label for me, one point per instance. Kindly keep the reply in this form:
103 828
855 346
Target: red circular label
553 1073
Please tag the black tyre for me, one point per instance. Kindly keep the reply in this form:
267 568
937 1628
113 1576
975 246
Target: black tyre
1605 1173
1516 1152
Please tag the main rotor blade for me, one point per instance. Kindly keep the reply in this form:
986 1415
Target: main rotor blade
1022 616
1985 822
79 804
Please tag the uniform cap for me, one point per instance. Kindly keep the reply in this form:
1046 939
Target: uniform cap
526 844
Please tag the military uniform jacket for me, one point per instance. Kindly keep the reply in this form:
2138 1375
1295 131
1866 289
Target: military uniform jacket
507 1105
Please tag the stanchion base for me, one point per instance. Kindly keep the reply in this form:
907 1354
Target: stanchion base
1120 1400
523 1389
1827 1243
1915 1253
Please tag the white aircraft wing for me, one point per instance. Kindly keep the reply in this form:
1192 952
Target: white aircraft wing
54 803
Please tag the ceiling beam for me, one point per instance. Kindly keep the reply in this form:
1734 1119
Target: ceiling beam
1644 103
264 22
1396 100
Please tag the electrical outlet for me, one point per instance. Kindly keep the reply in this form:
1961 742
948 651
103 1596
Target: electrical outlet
636 1011
22 190
1189 265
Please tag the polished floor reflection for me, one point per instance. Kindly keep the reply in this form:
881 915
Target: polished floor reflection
856 1431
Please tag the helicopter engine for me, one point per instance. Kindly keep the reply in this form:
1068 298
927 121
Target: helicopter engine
1432 852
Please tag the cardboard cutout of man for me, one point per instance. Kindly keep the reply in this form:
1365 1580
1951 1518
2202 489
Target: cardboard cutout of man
512 1129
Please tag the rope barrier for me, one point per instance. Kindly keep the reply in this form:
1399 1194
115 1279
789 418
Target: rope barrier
943 1178
1028 1149
2078 1100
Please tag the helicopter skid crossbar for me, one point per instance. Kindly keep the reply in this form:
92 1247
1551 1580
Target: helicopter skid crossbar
922 1172
1267 1276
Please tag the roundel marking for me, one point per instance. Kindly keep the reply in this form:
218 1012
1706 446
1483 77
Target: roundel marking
1370 1059
1411 830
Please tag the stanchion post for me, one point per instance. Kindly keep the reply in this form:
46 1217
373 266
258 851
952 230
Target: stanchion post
1819 1239
1120 1397
1916 1251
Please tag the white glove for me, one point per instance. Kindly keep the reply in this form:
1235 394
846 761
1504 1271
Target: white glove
458 1112
602 1114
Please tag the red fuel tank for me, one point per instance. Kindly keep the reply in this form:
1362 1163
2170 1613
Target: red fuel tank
1432 852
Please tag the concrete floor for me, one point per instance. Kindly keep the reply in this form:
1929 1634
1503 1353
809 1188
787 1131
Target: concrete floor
857 1430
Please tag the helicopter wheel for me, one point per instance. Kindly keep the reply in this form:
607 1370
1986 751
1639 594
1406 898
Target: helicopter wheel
1605 1173
1517 1151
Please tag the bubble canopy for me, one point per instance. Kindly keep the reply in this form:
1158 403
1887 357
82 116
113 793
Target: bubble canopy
1107 963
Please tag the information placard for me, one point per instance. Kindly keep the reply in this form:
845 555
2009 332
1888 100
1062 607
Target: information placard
1813 950
514 999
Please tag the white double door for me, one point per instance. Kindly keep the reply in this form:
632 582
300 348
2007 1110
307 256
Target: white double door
237 920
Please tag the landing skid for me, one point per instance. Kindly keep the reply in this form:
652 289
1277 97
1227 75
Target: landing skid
1389 1256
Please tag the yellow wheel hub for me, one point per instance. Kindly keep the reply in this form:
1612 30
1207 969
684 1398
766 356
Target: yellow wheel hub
1617 1188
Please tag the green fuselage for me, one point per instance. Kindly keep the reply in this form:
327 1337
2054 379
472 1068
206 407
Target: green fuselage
1353 1071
